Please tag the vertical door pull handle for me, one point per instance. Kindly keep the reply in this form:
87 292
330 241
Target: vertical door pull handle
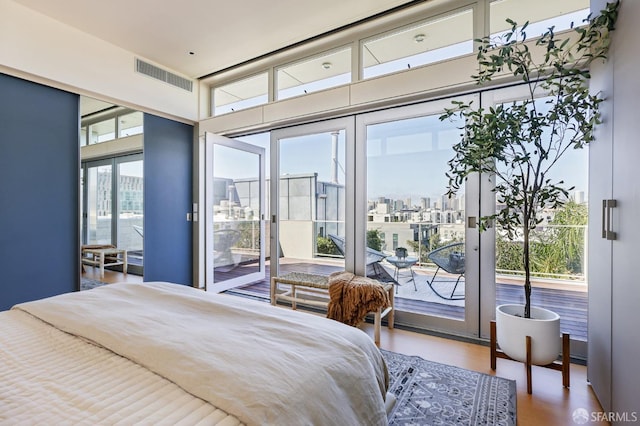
610 234
604 218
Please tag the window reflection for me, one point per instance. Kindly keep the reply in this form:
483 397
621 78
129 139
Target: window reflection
421 44
318 73
541 14
241 94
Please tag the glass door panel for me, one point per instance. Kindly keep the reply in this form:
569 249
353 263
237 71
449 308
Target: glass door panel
98 181
558 244
235 191
311 198
417 230
112 194
130 214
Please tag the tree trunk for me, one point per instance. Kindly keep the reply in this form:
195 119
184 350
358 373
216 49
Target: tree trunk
527 273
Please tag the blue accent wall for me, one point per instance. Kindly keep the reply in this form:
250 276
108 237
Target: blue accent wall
168 158
39 191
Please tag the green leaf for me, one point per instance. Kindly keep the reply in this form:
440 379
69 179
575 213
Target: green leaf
521 142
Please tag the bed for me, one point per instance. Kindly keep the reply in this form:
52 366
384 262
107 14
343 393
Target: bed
161 353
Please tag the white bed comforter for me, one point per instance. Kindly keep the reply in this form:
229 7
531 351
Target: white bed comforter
49 377
263 364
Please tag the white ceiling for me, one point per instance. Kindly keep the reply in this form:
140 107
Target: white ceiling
91 106
221 33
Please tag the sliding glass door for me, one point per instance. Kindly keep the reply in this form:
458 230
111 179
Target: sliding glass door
97 199
425 238
312 195
130 211
369 194
558 244
112 205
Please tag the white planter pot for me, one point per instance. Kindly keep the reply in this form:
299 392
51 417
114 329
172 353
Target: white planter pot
543 327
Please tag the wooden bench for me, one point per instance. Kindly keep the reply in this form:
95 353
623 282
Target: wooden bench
99 256
302 285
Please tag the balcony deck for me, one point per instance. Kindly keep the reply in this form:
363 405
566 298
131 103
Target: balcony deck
568 300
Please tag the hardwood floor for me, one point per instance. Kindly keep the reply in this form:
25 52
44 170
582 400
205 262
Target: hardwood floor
109 276
550 403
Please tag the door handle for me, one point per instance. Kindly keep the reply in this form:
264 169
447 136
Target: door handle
610 235
604 218
607 233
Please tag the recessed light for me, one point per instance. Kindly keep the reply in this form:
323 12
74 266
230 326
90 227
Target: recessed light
419 38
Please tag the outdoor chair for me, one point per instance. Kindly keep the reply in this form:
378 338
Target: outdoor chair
374 269
449 258
223 242
139 229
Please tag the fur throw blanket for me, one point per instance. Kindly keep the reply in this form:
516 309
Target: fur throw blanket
352 297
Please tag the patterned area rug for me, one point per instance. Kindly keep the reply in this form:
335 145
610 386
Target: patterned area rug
88 284
429 393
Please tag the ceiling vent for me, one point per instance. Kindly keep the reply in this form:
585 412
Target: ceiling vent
163 75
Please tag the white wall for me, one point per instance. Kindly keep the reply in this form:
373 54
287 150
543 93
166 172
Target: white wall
38 48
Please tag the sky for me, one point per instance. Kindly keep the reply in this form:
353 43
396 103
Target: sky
405 159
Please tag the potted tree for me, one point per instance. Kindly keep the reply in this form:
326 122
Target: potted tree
519 143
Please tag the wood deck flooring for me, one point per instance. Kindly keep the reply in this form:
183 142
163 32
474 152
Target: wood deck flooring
570 304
